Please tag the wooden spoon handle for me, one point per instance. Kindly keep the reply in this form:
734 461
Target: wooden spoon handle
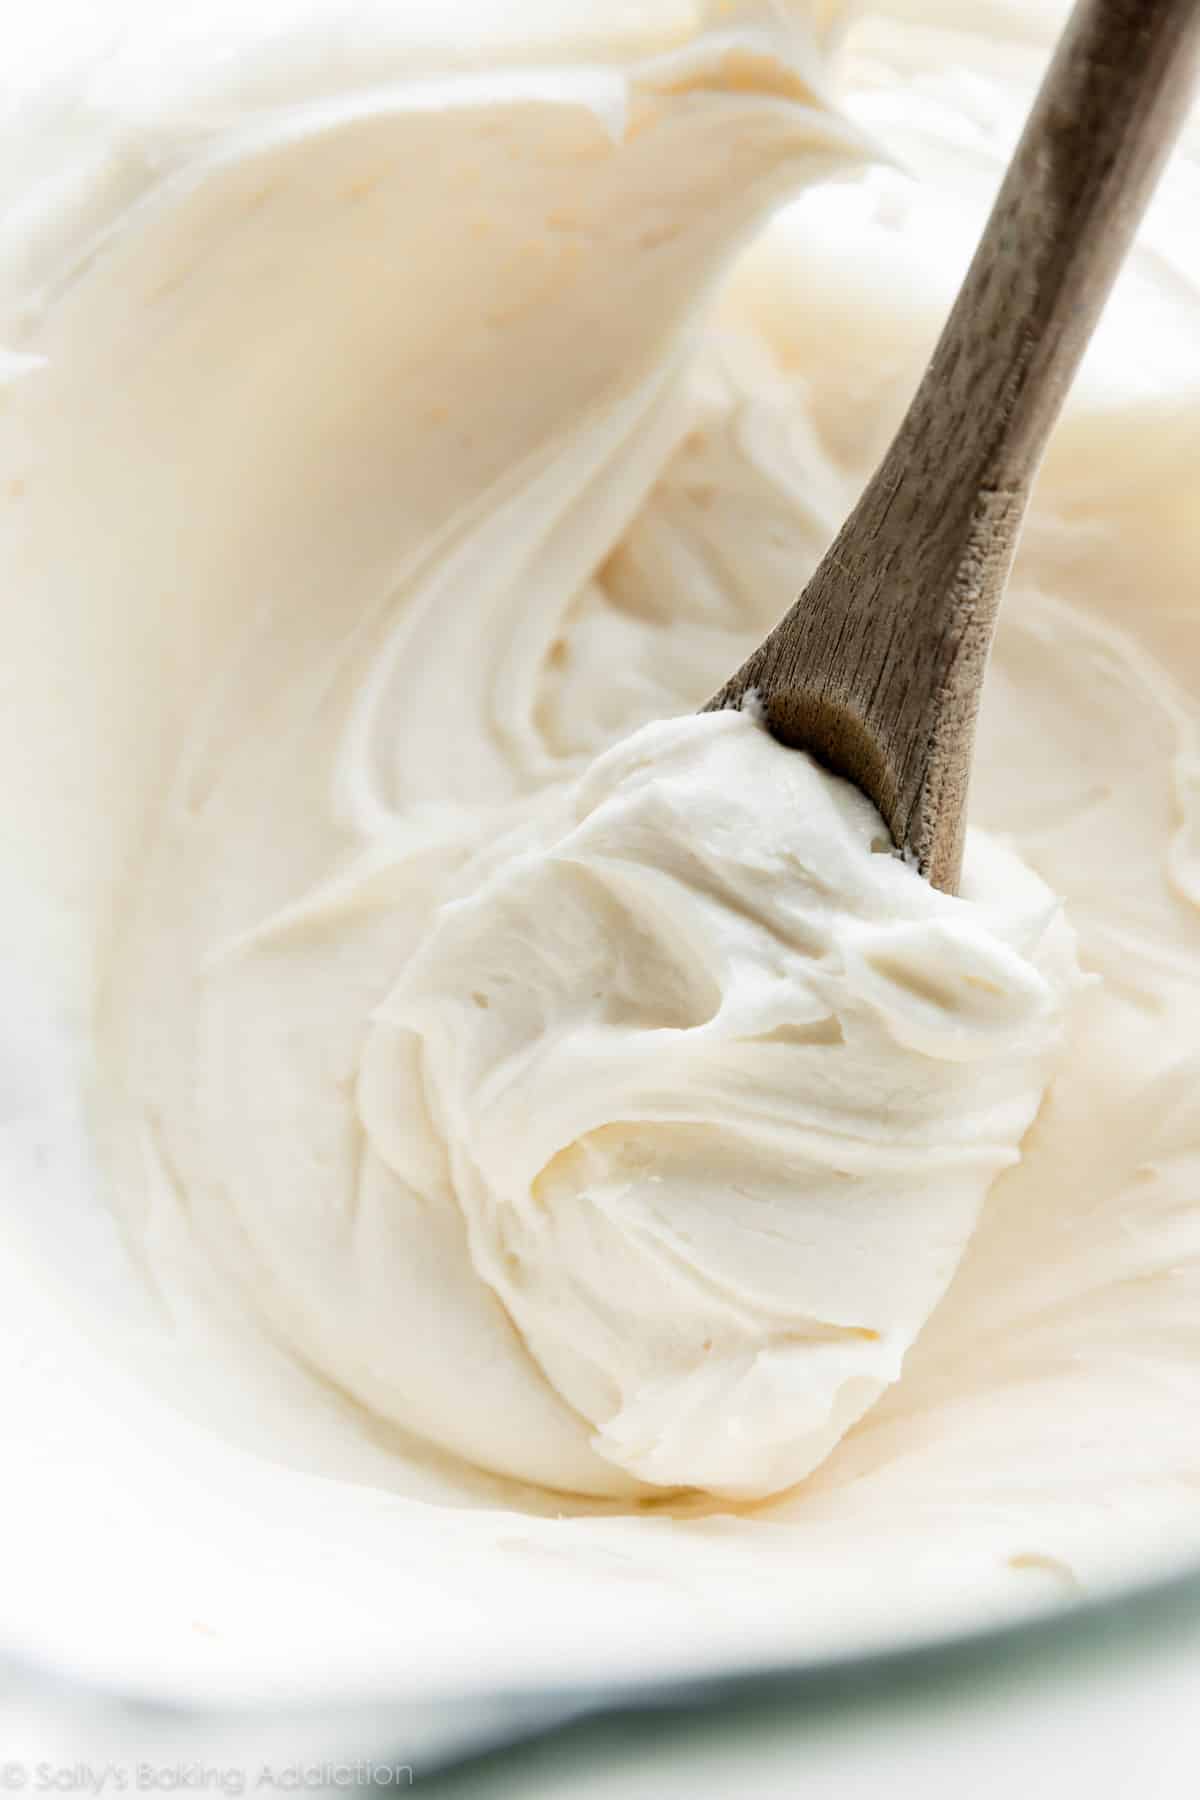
1102 127
877 668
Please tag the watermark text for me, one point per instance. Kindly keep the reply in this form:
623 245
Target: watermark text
93 1779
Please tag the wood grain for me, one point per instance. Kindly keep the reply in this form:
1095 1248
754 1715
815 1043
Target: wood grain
877 668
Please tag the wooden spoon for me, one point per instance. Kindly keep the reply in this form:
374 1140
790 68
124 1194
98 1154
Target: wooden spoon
877 668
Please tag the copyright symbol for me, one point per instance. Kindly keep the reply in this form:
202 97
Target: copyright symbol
13 1776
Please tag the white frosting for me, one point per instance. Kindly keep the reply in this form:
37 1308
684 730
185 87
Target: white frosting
386 433
718 1090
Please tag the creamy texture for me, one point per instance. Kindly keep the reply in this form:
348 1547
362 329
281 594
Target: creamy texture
482 1104
718 1089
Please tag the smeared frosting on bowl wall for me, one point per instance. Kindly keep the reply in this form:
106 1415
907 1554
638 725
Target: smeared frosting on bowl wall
476 1124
